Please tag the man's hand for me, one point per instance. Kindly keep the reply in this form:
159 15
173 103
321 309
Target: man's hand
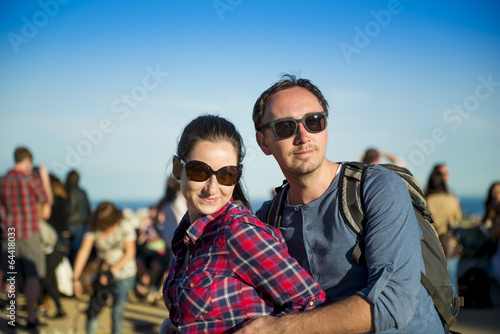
44 173
264 325
45 178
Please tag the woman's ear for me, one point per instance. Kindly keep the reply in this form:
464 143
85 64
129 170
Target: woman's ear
177 168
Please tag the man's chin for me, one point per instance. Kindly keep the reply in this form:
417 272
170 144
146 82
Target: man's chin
303 170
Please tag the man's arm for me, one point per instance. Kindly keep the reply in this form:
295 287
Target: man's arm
394 159
351 315
46 208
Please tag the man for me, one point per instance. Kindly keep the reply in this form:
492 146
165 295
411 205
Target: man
373 157
380 294
79 212
24 199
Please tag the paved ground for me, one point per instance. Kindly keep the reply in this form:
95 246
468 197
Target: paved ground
141 317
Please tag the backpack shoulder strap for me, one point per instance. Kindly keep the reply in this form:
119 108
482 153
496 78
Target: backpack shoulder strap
411 182
350 202
351 205
277 205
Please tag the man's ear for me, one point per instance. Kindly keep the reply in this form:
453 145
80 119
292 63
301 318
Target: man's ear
177 168
261 140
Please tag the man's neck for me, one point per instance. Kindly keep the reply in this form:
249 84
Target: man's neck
23 166
307 188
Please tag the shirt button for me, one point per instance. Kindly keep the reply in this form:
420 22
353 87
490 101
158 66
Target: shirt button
191 285
311 251
308 227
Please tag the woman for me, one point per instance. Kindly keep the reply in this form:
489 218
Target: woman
114 241
58 225
491 220
447 214
228 266
154 251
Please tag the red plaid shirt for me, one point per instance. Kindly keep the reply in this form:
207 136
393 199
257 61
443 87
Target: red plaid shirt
238 268
20 196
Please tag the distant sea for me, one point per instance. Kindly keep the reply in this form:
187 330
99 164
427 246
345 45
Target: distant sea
470 205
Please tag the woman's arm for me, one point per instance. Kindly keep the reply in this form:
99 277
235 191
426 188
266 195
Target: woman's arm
81 259
128 256
259 256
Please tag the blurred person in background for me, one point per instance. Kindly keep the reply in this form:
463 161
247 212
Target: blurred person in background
491 221
115 243
56 241
25 198
60 211
79 211
373 156
447 215
155 239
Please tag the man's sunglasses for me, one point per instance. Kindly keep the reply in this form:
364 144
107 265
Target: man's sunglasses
199 171
286 127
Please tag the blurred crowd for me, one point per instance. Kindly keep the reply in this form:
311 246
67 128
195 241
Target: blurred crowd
64 246
54 243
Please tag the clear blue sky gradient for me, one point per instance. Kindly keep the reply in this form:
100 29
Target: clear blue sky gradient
106 86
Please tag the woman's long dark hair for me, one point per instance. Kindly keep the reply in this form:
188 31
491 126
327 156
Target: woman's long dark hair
436 183
490 205
214 129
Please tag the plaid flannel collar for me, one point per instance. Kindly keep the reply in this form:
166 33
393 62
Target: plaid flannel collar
195 230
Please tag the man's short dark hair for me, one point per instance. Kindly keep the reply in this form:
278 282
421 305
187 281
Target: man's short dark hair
287 81
371 156
22 153
72 179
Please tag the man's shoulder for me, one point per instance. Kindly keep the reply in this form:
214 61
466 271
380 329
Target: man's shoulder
377 175
77 194
10 173
261 213
14 175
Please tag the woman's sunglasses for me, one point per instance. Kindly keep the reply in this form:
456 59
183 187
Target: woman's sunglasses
286 127
199 171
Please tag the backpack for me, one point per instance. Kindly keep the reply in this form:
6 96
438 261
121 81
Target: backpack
436 280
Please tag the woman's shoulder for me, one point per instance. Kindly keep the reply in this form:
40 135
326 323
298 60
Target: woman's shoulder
126 228
441 196
240 217
238 213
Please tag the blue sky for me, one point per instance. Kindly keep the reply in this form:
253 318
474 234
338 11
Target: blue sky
106 86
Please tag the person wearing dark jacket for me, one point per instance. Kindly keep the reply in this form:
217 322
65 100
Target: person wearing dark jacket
78 212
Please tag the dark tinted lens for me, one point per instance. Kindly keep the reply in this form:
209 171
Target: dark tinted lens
285 129
315 123
197 171
228 175
200 171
